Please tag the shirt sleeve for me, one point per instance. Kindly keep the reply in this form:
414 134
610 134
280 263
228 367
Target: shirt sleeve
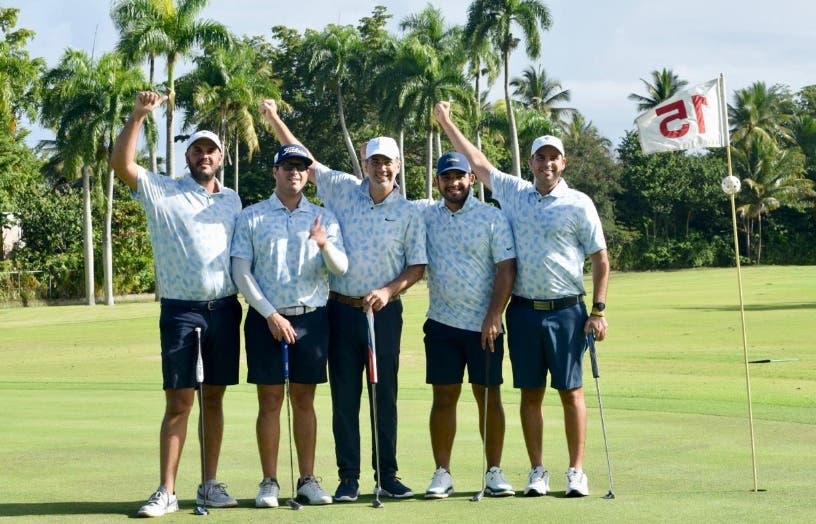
415 252
502 243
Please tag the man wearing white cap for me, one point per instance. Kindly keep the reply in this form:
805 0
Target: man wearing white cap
191 221
555 228
384 236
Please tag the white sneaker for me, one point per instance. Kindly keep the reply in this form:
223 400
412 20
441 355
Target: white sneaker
441 485
539 483
496 485
217 496
160 503
310 492
268 492
577 483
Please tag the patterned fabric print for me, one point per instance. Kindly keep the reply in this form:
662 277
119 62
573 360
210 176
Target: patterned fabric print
463 250
553 233
381 239
190 231
288 267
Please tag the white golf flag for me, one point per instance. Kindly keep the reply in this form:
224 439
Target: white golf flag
691 119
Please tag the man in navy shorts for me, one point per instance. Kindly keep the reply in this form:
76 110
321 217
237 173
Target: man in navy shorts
555 228
282 252
471 269
191 221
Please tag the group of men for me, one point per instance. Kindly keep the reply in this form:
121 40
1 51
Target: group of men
310 273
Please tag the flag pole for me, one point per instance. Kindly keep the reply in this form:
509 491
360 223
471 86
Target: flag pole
725 133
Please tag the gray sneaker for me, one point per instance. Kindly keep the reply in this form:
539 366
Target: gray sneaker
268 493
496 485
217 496
159 503
310 492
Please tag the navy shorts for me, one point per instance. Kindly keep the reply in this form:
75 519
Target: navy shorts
543 342
307 356
448 350
220 323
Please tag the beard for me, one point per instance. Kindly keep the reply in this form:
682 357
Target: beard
458 199
200 176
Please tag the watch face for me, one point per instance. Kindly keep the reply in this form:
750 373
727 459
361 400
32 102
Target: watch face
600 306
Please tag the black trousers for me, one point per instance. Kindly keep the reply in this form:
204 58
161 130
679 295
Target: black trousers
348 357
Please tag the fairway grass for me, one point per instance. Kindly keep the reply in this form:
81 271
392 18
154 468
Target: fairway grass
81 404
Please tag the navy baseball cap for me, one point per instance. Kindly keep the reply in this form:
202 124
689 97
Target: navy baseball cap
287 151
452 161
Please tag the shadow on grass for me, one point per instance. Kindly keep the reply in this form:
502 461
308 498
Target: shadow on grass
34 509
755 307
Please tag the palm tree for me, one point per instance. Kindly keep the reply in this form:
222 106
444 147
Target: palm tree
87 102
495 19
537 91
168 28
761 113
663 86
19 74
771 178
336 63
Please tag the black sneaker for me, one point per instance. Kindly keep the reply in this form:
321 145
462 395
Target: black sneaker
347 491
392 487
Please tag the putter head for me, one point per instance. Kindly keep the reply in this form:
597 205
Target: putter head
376 504
477 497
609 495
201 511
295 505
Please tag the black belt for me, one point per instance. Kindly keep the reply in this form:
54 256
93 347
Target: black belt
549 305
199 305
353 301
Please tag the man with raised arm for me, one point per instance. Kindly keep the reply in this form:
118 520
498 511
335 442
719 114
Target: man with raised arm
191 221
384 237
555 228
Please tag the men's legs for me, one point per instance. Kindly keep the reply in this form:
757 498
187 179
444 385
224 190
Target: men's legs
178 404
267 427
574 406
305 426
532 423
495 422
213 428
388 330
443 422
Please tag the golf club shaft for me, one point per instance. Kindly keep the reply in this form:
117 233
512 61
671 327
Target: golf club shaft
285 350
372 379
199 371
484 420
596 374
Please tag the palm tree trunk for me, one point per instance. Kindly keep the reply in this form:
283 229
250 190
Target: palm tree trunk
236 162
107 242
87 237
429 167
346 136
403 189
759 240
170 156
478 123
511 118
152 146
481 184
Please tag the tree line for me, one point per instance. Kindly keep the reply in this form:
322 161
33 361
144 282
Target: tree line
345 83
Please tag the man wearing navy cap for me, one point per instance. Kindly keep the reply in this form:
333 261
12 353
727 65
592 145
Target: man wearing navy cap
471 269
555 228
191 221
282 253
384 235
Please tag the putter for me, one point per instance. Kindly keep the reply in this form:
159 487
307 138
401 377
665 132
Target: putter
590 342
372 380
199 371
292 502
478 496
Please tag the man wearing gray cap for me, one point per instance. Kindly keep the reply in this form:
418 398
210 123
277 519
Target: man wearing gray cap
555 228
471 269
282 253
384 236
191 221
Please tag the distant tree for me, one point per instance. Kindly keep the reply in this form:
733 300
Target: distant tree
760 113
665 83
537 91
19 74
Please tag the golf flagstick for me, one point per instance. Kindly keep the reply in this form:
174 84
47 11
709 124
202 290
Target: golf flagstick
292 502
478 496
590 342
372 380
199 373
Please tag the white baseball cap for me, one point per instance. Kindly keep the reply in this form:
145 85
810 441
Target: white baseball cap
547 140
382 145
209 135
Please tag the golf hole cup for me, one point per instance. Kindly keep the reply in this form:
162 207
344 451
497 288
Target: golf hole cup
731 185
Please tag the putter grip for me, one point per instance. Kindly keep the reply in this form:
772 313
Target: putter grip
593 358
199 369
285 348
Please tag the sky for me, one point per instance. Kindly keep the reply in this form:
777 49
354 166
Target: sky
597 49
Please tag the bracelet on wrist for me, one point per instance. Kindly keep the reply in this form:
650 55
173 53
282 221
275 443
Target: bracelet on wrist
596 313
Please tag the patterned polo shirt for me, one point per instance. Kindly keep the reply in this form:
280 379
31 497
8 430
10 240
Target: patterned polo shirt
286 264
190 231
463 250
554 233
381 239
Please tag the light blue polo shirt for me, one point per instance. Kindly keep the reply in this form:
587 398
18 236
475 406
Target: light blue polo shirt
554 234
381 239
190 231
463 250
286 264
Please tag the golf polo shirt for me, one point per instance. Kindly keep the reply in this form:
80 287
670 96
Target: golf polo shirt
190 231
463 250
286 264
553 234
381 239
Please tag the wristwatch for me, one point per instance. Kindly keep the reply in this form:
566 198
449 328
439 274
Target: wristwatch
598 306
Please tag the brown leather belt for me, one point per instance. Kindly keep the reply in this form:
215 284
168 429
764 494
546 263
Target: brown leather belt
352 301
549 305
